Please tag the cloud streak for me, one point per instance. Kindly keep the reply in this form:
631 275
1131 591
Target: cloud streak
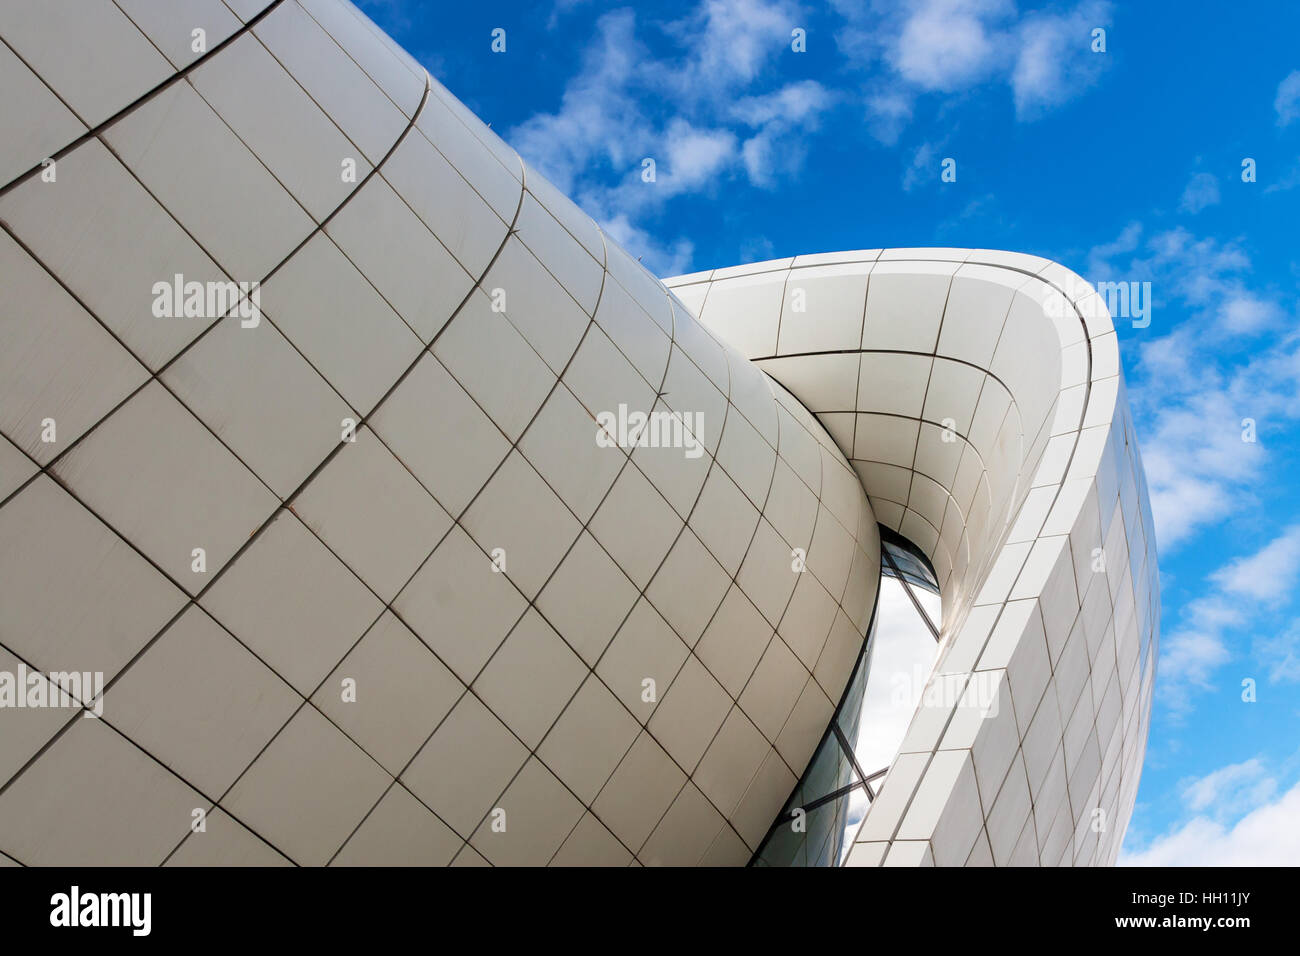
1242 593
709 111
706 97
947 47
1196 385
1287 101
1266 834
1202 192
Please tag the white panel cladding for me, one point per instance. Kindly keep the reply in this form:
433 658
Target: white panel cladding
1020 478
1016 471
351 479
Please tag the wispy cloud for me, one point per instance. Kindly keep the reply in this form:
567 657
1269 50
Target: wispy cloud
1238 601
1279 654
1230 790
1267 575
1236 821
1055 62
947 47
559 10
705 96
671 258
1201 193
1197 465
1194 651
729 44
924 167
780 121
707 112
888 112
1100 256
1287 102
1198 383
598 120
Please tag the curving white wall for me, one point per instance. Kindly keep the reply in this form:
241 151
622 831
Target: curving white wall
424 292
350 461
978 396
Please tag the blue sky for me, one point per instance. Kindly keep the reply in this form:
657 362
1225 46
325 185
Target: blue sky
1125 165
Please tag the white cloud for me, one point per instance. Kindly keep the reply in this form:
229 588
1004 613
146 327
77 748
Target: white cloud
712 108
1192 415
1199 471
693 156
1280 655
1199 645
924 167
888 112
730 44
1055 61
1267 575
793 103
761 158
1197 466
1268 835
1195 385
1286 182
599 120
1239 786
1287 101
1190 654
952 46
559 10
672 258
1199 271
1247 314
1202 192
945 45
1100 255
783 119
705 113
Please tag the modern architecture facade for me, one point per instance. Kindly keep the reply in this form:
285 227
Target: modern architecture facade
363 502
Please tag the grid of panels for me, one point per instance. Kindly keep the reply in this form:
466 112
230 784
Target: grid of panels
241 522
818 822
978 395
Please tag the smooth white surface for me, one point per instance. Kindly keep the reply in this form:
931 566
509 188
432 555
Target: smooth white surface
977 433
372 559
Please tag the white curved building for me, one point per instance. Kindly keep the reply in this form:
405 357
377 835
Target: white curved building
978 396
361 502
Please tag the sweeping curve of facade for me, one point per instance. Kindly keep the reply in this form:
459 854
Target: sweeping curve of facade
979 397
362 502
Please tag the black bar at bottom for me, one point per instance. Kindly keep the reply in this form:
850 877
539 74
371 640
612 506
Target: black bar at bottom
442 909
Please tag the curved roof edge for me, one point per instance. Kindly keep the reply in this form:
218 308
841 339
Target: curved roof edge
1016 469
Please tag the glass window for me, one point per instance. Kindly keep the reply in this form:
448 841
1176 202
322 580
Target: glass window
817 825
